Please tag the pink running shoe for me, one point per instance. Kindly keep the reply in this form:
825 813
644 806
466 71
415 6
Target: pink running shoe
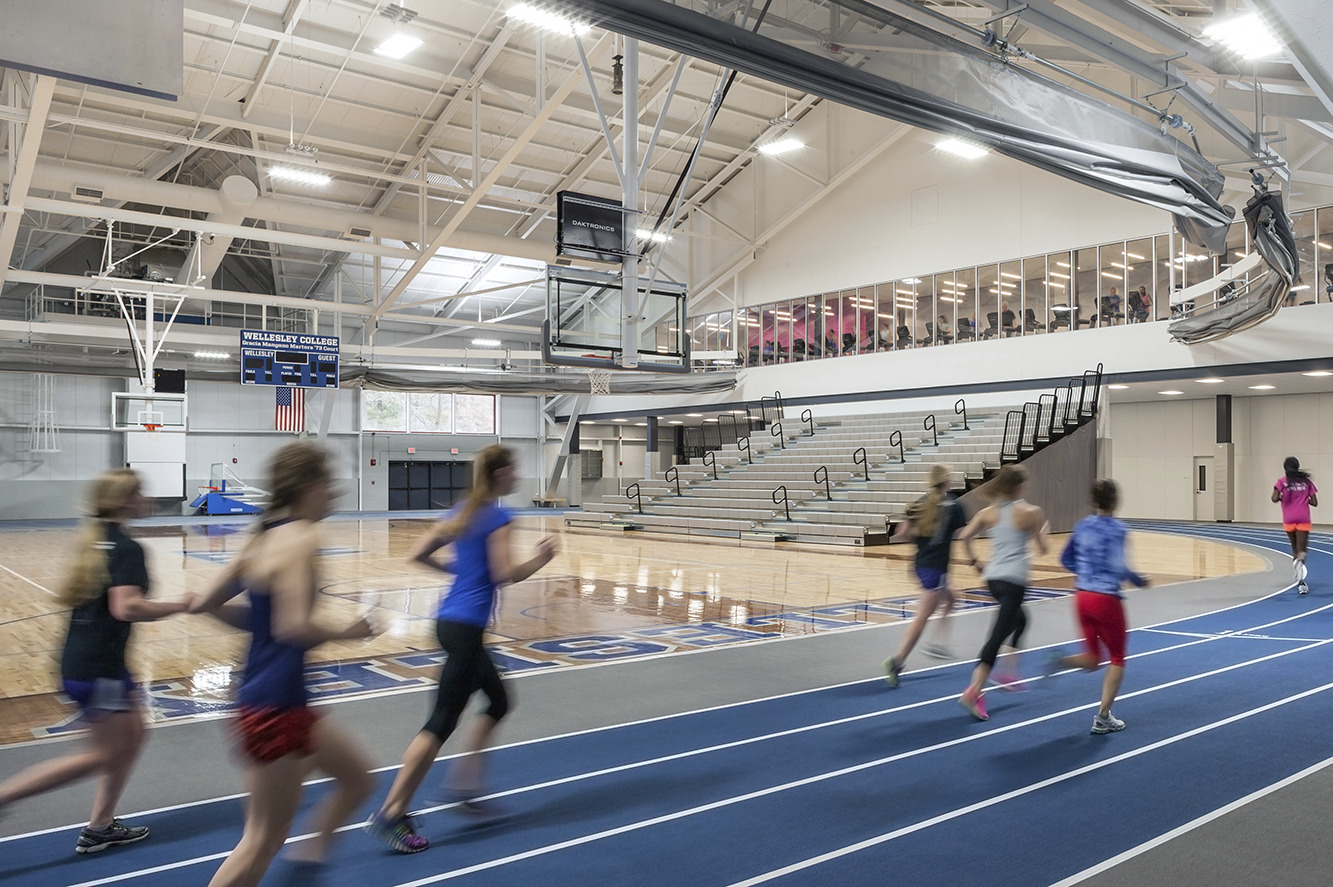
975 703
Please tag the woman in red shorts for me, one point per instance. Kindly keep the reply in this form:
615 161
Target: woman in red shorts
1297 492
281 738
1095 554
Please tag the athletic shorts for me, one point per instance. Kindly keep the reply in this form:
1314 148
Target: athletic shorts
267 734
931 580
1292 528
102 696
1102 618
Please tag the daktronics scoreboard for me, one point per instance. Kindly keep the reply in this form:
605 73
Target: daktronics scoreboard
291 359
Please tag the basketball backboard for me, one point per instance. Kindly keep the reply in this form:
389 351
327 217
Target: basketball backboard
135 412
584 322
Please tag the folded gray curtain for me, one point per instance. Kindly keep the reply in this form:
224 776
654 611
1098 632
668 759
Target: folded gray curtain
890 66
622 382
1270 229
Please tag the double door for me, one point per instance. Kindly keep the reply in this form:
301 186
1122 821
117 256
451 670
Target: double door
427 486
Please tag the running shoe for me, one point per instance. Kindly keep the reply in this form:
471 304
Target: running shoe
891 671
975 704
937 651
95 840
1302 588
1107 724
400 834
1010 683
1055 663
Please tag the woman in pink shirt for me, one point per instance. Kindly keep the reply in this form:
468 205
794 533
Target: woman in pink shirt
1297 492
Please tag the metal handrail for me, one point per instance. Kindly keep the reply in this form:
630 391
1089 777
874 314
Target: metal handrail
633 490
711 459
672 474
960 406
1046 404
722 419
828 492
776 430
860 458
782 488
1027 441
809 418
744 446
1010 447
782 406
929 425
896 440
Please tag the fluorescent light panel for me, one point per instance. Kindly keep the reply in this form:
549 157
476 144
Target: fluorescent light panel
1246 35
397 46
547 20
784 145
486 343
960 148
299 176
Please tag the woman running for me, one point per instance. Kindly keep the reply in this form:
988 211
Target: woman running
482 560
1297 493
107 589
1095 554
280 737
932 520
1012 523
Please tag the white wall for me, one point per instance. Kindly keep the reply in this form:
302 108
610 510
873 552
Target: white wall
1154 445
233 425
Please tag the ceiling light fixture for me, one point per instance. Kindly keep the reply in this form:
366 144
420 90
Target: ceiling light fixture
1118 387
1262 387
397 46
1318 373
299 176
486 343
654 236
547 20
784 145
1211 381
211 355
1246 35
1170 393
960 148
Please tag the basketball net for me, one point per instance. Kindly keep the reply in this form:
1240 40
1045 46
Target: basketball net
599 381
152 430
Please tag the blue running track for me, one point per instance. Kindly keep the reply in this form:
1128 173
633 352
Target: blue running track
852 784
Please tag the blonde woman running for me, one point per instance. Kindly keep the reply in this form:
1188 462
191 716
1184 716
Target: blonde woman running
482 560
107 589
1012 524
932 521
281 738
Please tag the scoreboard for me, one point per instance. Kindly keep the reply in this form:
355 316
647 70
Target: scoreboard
292 359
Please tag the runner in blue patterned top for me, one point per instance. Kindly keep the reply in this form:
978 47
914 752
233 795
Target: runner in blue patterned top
106 591
281 738
479 532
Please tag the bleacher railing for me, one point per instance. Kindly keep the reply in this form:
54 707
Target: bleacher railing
632 492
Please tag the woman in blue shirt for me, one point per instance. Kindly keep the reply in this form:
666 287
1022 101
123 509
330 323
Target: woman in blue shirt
479 531
1095 554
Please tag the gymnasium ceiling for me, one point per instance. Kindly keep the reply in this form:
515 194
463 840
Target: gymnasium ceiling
297 83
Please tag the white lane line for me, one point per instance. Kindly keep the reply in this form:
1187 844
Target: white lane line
1016 793
27 580
1192 825
1220 635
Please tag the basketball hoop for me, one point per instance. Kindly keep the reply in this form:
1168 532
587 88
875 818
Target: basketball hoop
599 381
152 429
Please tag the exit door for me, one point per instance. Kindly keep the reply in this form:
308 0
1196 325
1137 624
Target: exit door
1203 489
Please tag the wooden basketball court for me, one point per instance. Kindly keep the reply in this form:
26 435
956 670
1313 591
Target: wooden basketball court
603 596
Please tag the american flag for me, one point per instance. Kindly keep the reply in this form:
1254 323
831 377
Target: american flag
289 412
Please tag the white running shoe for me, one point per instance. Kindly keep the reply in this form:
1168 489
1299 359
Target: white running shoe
1302 589
1108 724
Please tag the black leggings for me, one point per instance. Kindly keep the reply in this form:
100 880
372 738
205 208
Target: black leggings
467 669
1010 621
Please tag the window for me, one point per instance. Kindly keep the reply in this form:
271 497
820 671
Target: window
427 413
431 412
474 414
383 411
